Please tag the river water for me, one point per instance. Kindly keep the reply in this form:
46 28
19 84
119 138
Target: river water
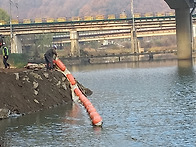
143 104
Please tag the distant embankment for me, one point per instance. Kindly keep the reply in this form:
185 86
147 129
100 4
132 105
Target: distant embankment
121 58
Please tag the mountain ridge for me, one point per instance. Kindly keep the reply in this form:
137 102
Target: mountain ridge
68 8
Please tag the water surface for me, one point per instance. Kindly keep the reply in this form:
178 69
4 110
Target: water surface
142 105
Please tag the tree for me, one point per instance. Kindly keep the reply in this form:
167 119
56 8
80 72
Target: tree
4 16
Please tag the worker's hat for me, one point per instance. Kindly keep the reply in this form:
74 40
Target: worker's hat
54 46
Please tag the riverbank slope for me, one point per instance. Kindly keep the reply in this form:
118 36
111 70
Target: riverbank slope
25 91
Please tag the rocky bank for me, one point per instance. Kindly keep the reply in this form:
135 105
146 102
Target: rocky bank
24 91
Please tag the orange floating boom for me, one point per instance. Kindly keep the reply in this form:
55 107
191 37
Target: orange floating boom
94 115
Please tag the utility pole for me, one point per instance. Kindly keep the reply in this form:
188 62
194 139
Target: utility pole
133 32
12 36
17 11
133 28
16 5
11 33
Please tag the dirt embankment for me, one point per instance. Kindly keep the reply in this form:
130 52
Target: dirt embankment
25 90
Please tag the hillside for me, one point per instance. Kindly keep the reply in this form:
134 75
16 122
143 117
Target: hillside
68 8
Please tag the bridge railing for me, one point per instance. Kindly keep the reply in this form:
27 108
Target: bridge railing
122 16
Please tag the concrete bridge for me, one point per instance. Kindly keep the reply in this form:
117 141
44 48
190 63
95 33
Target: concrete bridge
183 12
78 31
183 18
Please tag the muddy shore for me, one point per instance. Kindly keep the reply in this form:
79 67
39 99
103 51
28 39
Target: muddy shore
25 91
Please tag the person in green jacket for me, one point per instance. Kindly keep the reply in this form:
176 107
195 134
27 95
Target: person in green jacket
5 56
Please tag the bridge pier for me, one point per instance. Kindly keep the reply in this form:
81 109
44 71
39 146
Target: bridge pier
75 48
183 33
16 44
183 26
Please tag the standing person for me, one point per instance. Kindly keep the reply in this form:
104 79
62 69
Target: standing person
49 57
5 52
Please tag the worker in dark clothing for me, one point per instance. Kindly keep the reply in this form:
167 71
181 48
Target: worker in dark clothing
5 52
49 57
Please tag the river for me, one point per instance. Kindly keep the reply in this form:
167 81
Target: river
143 104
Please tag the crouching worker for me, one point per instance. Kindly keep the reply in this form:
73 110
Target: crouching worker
50 55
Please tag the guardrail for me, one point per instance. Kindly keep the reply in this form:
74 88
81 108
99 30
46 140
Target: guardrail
137 16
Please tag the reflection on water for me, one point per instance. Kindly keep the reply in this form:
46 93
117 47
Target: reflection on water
144 104
183 99
150 64
37 124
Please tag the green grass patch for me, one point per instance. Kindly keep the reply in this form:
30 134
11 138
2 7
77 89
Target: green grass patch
18 60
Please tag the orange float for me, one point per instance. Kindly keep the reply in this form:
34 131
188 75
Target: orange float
87 103
97 120
90 109
77 91
82 98
93 114
60 64
71 79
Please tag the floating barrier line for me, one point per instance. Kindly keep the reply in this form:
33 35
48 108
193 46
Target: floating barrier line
77 94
